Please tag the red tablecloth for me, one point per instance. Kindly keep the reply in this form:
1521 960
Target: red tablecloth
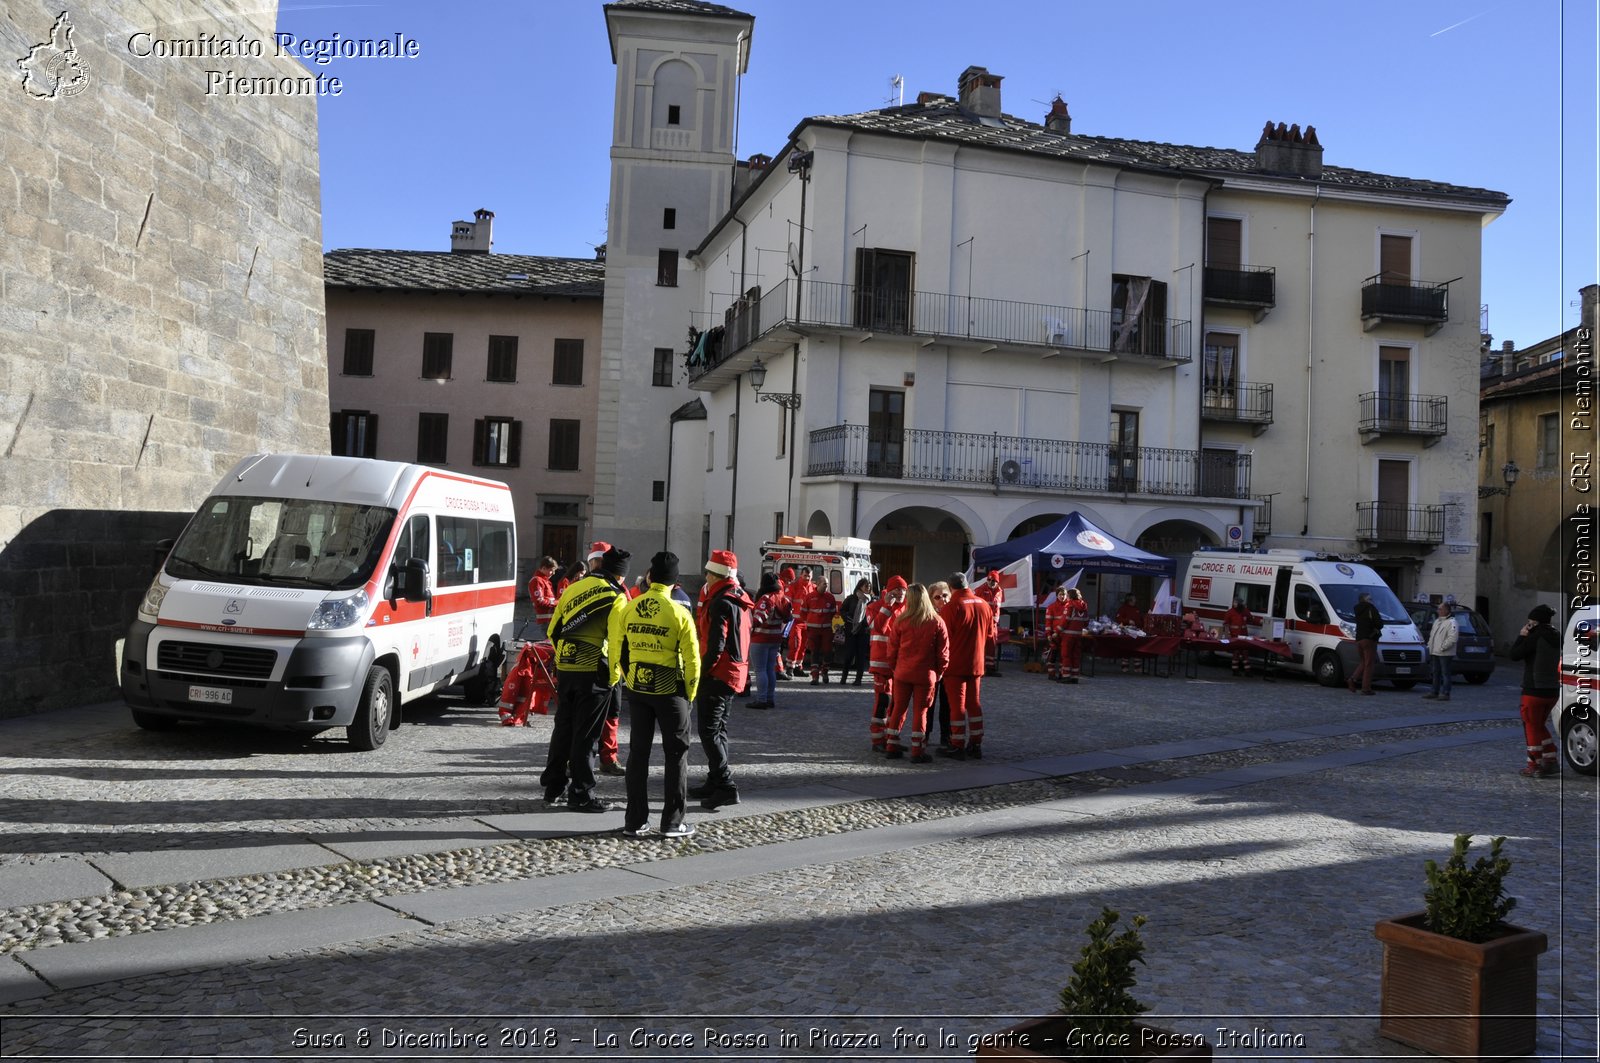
1264 646
1112 647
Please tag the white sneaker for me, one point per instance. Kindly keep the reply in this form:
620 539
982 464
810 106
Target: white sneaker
638 832
682 830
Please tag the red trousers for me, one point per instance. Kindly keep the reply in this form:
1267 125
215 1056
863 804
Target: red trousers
966 714
882 697
1069 653
1535 711
915 699
794 648
819 647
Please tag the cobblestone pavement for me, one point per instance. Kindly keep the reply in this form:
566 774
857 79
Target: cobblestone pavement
1260 894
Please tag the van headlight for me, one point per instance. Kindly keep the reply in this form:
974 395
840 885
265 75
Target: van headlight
154 595
335 613
1348 629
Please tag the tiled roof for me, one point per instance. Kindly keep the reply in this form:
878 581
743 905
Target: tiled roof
941 118
679 7
444 271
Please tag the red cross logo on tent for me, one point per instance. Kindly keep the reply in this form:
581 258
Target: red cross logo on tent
1006 581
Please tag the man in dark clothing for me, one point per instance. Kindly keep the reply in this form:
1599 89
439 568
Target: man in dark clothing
724 632
1538 647
578 630
1369 629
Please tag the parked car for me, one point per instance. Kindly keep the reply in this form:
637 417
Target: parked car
1474 660
1575 716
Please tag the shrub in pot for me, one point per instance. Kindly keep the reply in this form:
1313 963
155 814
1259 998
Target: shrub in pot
1458 980
1099 1014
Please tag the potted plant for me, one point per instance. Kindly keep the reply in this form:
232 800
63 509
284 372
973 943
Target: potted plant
1458 980
1099 1014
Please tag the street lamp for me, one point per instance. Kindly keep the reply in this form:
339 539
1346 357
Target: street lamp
758 376
1509 472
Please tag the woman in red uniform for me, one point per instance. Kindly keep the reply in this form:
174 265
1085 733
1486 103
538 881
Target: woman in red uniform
880 617
919 645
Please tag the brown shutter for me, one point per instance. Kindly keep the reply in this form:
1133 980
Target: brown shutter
480 431
515 456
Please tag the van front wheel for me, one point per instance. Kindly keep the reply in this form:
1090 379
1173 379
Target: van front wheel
1330 673
371 726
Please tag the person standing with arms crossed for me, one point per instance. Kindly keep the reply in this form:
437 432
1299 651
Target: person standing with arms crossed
657 661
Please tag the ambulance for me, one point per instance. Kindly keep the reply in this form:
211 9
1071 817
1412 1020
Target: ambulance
837 562
316 592
1311 598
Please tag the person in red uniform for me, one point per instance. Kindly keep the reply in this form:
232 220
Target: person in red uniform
989 591
968 621
543 595
1064 624
770 616
788 654
880 617
919 646
821 607
799 592
1237 621
1128 615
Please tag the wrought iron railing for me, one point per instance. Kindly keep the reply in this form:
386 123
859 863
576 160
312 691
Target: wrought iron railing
1263 515
1407 300
1021 461
1241 285
1418 415
903 312
1251 403
1399 522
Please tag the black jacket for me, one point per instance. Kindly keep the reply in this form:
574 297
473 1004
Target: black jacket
1369 622
1540 653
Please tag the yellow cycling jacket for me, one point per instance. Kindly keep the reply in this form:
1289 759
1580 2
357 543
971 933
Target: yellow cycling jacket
653 644
578 624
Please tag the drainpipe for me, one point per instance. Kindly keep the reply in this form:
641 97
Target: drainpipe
666 520
1311 327
738 430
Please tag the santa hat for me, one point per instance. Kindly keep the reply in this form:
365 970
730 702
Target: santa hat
994 575
597 549
722 563
787 573
896 583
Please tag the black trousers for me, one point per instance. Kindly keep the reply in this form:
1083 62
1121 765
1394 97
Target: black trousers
711 704
580 713
856 648
646 712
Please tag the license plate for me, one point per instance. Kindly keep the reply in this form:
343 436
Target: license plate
1474 649
213 695
1402 671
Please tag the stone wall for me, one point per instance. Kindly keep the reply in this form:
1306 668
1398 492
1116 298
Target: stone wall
161 308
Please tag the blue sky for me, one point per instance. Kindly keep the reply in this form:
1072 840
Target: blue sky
508 105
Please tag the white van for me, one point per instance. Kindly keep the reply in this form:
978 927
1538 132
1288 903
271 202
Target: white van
1315 600
837 562
314 592
1580 667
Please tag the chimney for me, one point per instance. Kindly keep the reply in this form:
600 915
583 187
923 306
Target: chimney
1508 358
980 92
745 174
1283 149
1590 296
1058 120
474 237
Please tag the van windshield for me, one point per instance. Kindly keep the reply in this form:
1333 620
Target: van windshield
1343 596
282 541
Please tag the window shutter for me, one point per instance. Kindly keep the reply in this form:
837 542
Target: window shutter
516 444
866 262
372 437
480 431
335 423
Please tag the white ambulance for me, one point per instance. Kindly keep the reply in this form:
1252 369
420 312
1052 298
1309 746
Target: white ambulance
1313 598
838 562
315 592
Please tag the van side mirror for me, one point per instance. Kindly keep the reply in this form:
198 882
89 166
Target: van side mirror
411 583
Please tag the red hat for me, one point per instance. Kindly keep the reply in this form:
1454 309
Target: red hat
896 583
597 549
994 574
722 563
787 573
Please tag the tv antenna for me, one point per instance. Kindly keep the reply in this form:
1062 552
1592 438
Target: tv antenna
897 90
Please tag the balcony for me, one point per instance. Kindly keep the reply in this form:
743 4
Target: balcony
1402 415
1244 403
1399 522
1413 302
1263 517
1249 287
996 461
768 322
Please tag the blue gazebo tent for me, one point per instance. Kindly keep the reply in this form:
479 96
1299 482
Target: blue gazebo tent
1073 542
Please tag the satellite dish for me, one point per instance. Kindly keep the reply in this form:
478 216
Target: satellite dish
794 259
1010 471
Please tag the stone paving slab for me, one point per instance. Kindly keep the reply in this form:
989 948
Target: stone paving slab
554 823
1073 763
17 982
1193 747
529 895
213 945
439 836
171 867
52 880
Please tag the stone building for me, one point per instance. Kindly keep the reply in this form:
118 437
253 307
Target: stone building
161 309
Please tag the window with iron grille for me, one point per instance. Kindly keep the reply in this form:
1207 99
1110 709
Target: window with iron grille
432 432
497 441
563 444
661 372
358 344
502 359
437 348
354 433
568 369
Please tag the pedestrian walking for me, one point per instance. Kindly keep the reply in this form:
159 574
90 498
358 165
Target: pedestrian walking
724 633
579 629
1369 629
657 662
1441 653
1538 647
919 645
857 633
968 620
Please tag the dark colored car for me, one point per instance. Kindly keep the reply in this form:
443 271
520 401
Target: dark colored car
1474 660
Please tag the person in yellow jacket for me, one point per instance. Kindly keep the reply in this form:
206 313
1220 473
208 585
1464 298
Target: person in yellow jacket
578 628
655 653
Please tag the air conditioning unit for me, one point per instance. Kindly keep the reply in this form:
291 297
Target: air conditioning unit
1013 470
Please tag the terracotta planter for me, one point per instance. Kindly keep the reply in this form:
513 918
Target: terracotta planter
1051 1038
1459 999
